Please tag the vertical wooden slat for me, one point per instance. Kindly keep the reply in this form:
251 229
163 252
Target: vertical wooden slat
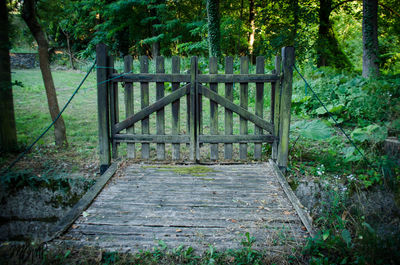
228 148
286 100
160 113
200 109
176 65
259 104
188 115
129 105
114 109
102 107
275 105
193 95
244 98
213 66
144 94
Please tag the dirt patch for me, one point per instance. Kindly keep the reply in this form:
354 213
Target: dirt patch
32 205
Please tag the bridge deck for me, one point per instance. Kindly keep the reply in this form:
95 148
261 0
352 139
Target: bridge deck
188 205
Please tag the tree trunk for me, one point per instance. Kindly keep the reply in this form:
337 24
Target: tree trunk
370 38
214 35
253 31
71 59
327 46
29 15
8 133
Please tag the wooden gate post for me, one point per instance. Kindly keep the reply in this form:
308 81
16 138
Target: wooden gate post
102 107
285 105
275 106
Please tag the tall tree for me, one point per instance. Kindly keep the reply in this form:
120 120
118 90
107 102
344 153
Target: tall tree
31 20
214 35
8 135
370 38
327 46
253 29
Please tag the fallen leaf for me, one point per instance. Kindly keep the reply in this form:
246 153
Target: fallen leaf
233 221
286 213
74 226
178 230
303 228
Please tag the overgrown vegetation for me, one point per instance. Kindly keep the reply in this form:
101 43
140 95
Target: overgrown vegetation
161 254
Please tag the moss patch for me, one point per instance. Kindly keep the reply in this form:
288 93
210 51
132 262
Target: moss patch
185 170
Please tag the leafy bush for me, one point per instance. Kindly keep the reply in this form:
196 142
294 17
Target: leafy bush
349 97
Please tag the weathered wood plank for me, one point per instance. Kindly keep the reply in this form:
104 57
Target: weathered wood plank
202 78
213 67
113 99
145 112
244 101
160 122
228 147
305 218
102 107
285 106
146 77
194 152
129 105
245 114
236 139
176 65
275 106
149 138
83 203
260 64
144 96
243 77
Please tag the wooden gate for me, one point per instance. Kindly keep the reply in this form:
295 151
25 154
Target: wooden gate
194 86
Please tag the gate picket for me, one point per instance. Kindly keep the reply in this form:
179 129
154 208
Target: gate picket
176 65
259 104
228 113
213 66
244 101
129 105
144 95
160 113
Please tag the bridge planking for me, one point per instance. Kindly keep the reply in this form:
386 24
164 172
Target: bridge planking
147 203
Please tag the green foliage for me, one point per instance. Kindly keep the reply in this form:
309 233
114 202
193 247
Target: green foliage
314 130
372 133
344 238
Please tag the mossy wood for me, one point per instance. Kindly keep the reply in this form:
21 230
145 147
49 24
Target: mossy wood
195 86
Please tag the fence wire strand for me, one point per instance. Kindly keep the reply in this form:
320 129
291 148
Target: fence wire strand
331 116
21 155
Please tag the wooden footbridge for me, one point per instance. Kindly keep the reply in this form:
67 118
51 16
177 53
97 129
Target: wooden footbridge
183 202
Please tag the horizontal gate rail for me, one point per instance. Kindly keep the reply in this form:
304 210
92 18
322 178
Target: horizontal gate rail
237 78
236 139
235 108
194 87
147 138
150 78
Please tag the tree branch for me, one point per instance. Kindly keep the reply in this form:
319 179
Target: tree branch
389 9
